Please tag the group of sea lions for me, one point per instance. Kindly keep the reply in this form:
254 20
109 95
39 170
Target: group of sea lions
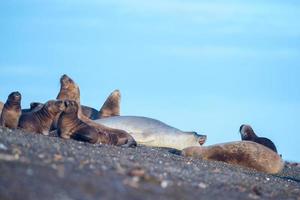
67 118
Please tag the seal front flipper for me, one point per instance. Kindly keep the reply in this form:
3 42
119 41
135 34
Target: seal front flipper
111 106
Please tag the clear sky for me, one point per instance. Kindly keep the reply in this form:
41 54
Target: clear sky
206 66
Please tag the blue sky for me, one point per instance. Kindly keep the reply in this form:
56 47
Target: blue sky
207 66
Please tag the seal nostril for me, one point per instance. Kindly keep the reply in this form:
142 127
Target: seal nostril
66 103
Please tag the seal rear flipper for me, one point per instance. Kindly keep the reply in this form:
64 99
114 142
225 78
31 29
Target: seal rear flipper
111 106
87 136
130 143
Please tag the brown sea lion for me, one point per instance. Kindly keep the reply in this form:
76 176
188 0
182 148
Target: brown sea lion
40 121
243 153
71 126
11 111
34 106
111 106
69 90
248 134
1 106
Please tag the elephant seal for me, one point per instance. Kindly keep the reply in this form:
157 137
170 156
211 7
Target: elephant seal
248 134
111 106
243 153
151 132
71 126
11 111
40 121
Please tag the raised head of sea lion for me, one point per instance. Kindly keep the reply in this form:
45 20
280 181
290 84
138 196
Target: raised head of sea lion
40 121
247 133
11 111
69 90
1 106
243 153
111 106
70 126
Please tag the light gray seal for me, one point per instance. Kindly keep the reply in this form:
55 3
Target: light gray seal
152 132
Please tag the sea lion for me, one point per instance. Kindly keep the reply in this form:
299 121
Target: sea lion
151 132
40 121
1 106
71 126
11 111
34 106
248 134
111 106
244 153
69 90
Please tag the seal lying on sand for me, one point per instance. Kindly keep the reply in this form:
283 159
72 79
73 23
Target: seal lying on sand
40 121
151 132
70 126
11 111
111 106
244 153
247 133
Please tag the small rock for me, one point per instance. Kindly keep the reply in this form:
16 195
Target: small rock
202 185
164 184
3 147
41 155
132 182
257 190
138 171
29 172
253 196
57 157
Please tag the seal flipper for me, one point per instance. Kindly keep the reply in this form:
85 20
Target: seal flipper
91 137
111 106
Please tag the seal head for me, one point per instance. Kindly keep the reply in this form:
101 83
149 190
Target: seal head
247 133
111 106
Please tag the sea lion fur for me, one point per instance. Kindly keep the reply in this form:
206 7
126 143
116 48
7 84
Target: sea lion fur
243 153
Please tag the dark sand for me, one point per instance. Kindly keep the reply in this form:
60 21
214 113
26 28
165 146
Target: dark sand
38 167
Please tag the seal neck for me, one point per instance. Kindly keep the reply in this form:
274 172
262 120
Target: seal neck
13 104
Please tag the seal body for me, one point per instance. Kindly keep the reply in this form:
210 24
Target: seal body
71 126
11 111
40 121
243 153
248 134
151 132
111 106
1 107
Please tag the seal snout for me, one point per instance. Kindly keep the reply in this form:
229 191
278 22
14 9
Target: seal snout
15 96
202 139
